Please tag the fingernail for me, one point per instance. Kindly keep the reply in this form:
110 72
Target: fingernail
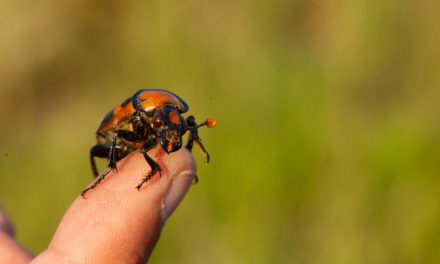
176 192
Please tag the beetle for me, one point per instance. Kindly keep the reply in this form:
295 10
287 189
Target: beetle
144 120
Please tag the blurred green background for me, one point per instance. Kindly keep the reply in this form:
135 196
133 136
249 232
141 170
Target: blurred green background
327 147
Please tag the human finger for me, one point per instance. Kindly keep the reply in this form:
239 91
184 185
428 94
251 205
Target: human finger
117 223
10 250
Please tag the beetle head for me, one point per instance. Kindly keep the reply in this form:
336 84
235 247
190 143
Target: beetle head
170 126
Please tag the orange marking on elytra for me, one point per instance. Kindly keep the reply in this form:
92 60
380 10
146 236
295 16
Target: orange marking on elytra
119 114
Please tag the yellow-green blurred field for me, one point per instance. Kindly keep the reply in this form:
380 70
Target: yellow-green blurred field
327 148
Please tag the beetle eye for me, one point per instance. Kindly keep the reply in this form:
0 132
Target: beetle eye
157 121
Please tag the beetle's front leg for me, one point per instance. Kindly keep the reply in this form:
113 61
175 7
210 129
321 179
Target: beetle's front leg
194 137
153 165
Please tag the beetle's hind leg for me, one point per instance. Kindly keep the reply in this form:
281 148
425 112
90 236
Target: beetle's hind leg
100 151
98 180
154 166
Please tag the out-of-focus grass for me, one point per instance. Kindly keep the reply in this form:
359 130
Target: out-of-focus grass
326 149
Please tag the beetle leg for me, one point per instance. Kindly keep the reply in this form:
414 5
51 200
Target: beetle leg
112 155
191 124
100 151
124 134
115 150
194 137
153 165
202 149
98 180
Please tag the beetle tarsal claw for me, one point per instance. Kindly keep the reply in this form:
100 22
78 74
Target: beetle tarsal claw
202 150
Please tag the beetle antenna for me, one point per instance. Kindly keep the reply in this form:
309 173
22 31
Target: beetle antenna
210 123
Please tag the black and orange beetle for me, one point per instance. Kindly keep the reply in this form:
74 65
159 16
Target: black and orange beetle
147 118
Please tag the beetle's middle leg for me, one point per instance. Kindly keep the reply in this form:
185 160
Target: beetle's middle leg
148 145
124 134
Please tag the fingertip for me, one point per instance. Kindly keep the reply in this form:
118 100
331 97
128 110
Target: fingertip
177 190
181 168
117 221
178 162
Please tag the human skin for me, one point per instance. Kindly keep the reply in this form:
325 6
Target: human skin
116 223
10 250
